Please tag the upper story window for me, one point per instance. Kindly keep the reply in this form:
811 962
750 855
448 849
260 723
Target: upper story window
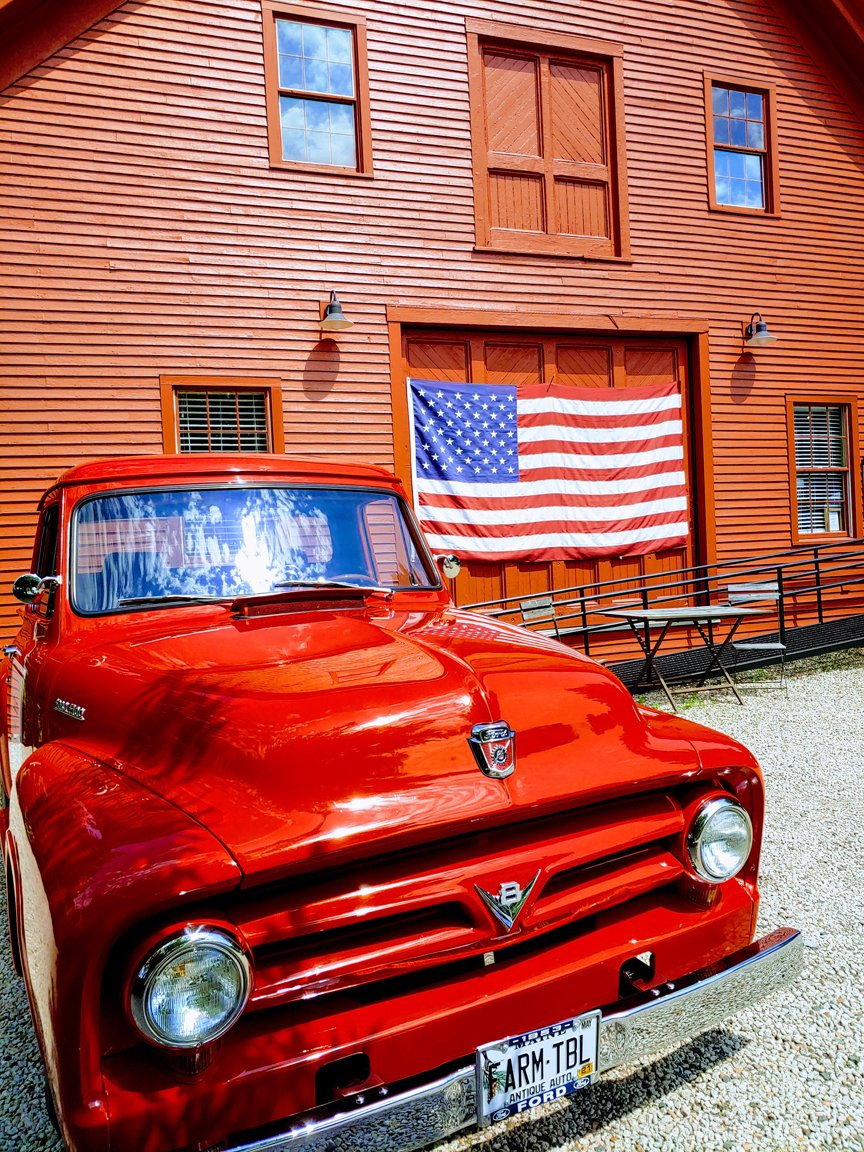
742 160
317 89
548 143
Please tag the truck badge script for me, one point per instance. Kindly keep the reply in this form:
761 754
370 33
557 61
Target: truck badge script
494 749
509 902
73 710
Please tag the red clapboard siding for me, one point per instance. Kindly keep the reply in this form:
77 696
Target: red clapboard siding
144 234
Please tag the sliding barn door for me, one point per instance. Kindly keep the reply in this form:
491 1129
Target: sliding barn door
583 362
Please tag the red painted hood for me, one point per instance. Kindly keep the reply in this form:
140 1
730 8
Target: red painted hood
315 736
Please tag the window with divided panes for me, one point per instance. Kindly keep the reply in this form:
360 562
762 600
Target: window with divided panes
316 61
317 89
547 143
822 468
209 421
741 154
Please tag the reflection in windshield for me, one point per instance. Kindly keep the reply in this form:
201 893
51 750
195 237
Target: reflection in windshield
238 541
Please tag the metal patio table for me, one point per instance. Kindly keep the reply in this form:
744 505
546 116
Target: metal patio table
643 619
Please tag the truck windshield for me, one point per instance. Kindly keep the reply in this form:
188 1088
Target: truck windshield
227 542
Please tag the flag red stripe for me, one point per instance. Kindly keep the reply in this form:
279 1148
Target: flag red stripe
631 472
540 525
564 500
572 420
594 395
604 448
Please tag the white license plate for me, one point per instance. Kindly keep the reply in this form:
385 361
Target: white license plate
519 1073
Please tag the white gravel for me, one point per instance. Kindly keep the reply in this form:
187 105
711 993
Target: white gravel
783 1076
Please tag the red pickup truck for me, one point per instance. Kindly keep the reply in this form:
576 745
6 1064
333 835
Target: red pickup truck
302 857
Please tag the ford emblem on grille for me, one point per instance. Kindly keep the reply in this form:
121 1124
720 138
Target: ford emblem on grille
494 749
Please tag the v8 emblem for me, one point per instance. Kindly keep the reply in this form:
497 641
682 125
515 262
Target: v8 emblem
509 902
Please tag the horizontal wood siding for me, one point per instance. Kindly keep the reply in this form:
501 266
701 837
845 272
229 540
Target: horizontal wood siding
144 234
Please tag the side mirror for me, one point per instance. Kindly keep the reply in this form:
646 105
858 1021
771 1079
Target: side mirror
27 588
450 566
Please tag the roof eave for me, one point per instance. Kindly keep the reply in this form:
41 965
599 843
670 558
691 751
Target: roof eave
832 31
31 31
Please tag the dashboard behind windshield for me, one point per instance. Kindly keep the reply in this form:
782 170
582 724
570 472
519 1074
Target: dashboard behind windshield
228 542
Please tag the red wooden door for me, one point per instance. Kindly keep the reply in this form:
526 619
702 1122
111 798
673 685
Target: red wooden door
537 358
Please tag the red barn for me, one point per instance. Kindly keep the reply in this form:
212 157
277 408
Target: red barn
598 194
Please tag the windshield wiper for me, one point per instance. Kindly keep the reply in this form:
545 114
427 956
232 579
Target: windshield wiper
179 597
332 584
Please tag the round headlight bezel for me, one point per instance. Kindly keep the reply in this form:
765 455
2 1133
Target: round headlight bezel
706 813
168 952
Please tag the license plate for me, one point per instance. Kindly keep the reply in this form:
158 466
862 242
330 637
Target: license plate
519 1073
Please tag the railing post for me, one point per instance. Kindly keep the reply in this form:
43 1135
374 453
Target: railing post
584 622
781 607
645 605
818 583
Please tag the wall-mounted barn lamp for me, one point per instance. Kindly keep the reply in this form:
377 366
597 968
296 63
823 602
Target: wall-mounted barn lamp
755 335
334 319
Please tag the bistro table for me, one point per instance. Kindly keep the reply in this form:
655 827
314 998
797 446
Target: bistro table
643 619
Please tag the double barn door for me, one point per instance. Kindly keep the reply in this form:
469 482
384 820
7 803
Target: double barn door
536 358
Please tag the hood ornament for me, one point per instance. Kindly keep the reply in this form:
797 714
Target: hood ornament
494 749
509 902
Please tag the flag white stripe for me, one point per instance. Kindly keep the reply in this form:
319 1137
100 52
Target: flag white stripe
617 512
599 435
630 407
492 545
556 486
564 460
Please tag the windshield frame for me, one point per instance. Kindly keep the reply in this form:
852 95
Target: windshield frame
414 532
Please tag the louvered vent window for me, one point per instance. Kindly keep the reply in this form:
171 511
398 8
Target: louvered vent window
222 421
822 468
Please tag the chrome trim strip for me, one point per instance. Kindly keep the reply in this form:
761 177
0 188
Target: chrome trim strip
645 1023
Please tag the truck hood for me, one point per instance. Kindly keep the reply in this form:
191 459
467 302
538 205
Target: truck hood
296 739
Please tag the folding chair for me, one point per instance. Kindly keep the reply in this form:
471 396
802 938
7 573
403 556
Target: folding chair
747 594
540 611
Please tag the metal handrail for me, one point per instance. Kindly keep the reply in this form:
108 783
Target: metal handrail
679 572
815 565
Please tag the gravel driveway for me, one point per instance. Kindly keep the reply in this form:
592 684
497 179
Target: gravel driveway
785 1075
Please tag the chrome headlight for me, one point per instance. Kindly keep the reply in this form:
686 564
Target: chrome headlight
190 989
719 840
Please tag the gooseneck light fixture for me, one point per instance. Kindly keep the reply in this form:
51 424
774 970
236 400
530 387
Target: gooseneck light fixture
755 335
334 319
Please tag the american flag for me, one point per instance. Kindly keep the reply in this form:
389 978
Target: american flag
548 472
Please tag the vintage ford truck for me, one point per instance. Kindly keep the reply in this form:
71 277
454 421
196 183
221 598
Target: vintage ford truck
302 857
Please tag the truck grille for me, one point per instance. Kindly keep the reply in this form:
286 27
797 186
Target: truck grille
375 920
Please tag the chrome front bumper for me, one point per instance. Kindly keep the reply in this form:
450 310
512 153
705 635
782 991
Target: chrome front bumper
630 1030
